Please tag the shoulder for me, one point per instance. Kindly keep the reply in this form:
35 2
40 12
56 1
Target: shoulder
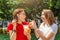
42 24
9 26
54 25
54 28
25 23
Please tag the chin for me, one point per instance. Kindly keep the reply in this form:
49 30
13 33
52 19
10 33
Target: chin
23 20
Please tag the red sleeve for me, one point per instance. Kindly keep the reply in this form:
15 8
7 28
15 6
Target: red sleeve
9 27
26 23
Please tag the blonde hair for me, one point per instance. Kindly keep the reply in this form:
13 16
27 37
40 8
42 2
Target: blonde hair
49 16
17 11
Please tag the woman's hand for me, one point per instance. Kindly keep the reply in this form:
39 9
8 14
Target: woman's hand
27 33
34 26
14 24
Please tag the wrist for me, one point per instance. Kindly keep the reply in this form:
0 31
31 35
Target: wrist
35 28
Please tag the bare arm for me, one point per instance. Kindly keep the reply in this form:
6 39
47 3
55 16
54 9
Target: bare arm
40 34
47 37
37 35
10 33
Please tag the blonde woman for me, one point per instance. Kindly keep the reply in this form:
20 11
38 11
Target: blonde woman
16 27
48 28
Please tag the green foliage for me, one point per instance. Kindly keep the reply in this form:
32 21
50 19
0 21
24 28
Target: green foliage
6 37
57 4
3 31
5 9
33 8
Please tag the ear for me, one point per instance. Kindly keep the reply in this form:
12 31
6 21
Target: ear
17 15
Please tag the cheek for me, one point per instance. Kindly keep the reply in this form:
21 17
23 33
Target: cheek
22 17
43 17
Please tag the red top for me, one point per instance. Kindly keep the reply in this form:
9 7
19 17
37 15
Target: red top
19 30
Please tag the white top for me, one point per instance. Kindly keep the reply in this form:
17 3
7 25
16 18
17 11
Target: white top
46 29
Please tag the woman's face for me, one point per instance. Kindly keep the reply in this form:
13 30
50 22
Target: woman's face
22 16
43 17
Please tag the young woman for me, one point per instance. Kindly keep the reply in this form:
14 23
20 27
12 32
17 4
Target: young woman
16 27
48 27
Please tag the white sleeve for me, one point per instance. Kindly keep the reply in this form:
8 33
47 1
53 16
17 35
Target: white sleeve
54 28
40 26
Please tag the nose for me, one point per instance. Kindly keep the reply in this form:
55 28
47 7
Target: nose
42 17
25 16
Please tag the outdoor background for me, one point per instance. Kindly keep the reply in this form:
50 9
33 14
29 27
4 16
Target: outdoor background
33 10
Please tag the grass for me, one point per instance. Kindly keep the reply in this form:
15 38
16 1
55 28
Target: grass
57 36
6 37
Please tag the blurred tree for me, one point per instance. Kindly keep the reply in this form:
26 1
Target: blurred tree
6 9
33 8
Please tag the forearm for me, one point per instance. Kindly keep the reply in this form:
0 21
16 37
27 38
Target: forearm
42 36
12 34
29 37
37 35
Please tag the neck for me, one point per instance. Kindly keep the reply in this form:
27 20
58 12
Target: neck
19 21
47 23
